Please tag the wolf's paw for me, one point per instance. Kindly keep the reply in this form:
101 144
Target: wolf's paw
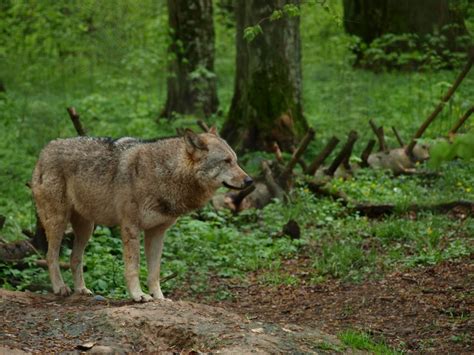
63 291
83 291
143 297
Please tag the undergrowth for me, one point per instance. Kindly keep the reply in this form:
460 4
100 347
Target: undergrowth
119 90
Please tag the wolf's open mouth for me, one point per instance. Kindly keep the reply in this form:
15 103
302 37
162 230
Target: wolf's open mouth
233 187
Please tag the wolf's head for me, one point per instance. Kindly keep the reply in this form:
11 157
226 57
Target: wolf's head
421 151
214 161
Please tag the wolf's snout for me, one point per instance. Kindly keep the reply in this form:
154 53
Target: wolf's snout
248 181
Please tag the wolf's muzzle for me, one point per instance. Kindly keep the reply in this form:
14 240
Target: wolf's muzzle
247 182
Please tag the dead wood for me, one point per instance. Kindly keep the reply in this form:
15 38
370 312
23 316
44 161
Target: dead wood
397 135
203 125
291 229
321 157
380 210
461 121
274 189
344 154
239 197
276 149
15 250
380 135
440 106
319 188
286 174
365 154
76 121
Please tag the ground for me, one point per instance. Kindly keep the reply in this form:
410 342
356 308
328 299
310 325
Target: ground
420 310
33 323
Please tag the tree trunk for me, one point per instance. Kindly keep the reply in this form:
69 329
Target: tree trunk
372 19
266 106
192 81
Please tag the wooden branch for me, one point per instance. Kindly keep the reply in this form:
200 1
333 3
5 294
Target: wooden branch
461 121
380 135
76 121
44 264
203 125
273 187
297 155
169 277
344 153
276 149
239 197
321 157
365 154
399 139
439 108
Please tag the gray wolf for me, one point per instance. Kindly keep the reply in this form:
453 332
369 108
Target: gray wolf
137 185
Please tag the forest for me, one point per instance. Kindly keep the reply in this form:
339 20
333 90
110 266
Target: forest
354 120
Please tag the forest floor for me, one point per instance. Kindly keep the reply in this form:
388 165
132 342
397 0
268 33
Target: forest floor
422 310
427 309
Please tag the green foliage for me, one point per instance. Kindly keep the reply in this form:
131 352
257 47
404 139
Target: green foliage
363 341
462 147
108 59
409 51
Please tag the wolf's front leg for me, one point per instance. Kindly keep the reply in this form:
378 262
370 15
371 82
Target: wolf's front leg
131 255
154 239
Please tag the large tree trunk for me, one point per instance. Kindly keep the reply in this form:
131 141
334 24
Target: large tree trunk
266 106
191 81
372 19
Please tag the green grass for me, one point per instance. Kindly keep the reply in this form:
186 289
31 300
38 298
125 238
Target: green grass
363 341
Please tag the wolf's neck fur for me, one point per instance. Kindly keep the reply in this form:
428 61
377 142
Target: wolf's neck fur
179 188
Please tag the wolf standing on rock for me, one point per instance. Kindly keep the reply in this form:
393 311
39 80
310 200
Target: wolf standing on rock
138 185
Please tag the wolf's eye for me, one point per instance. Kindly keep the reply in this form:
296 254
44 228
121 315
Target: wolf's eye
228 160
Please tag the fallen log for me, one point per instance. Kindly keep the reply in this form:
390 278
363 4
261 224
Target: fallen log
381 210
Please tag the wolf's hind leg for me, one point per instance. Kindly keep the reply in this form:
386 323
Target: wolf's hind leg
154 239
55 227
83 229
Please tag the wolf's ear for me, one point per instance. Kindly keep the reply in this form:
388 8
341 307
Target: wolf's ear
213 130
193 141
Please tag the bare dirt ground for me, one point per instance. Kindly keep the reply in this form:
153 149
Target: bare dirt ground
429 309
425 310
33 323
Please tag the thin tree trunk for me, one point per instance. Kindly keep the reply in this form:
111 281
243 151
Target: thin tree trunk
192 81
